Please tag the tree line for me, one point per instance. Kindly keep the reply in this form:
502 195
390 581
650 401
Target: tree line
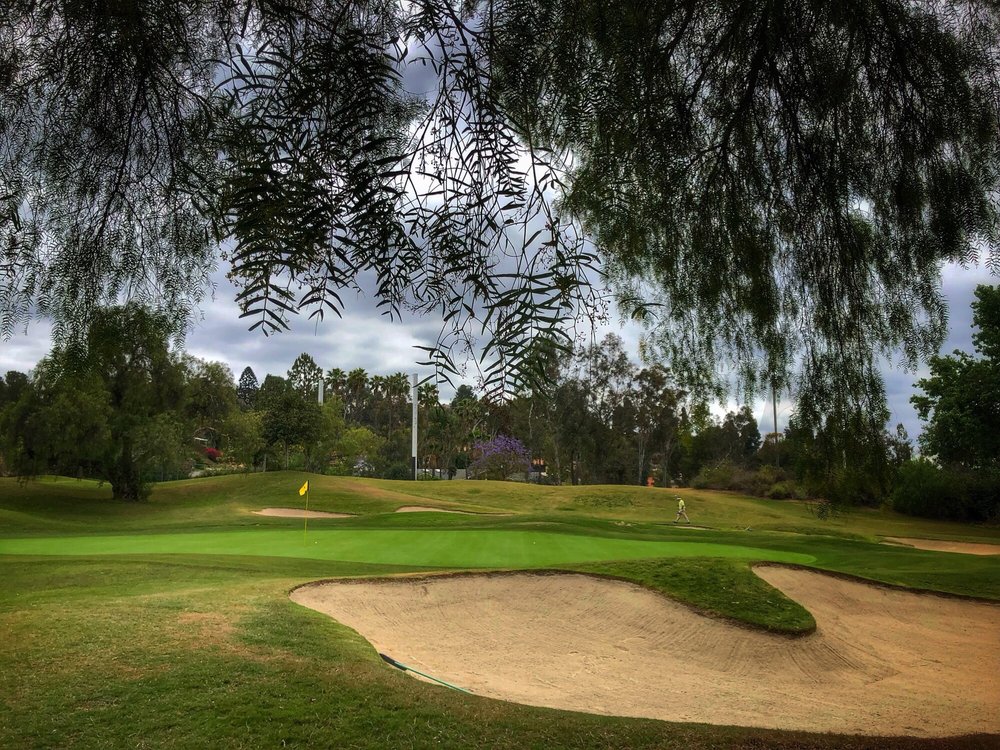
126 405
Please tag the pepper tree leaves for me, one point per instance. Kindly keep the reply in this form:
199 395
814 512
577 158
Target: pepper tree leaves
771 183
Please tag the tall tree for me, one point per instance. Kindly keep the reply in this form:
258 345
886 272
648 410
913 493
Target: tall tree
209 397
356 387
305 375
292 419
12 386
960 402
110 403
247 389
336 381
658 402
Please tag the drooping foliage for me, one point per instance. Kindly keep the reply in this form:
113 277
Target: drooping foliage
773 183
135 137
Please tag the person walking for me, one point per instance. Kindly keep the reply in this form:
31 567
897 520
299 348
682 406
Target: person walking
680 510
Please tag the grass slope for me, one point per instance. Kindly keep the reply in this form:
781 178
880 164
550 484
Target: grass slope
67 505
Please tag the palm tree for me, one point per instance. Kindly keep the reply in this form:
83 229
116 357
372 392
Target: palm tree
336 381
356 387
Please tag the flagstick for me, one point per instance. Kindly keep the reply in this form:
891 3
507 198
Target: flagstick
305 518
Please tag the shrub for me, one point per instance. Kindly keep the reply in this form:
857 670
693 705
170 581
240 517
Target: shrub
717 477
766 481
398 471
927 490
786 490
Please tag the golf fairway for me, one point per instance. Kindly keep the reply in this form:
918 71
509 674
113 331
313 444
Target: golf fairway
432 548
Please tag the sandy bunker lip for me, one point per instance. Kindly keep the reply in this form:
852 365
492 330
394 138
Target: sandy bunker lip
940 545
429 509
300 513
882 662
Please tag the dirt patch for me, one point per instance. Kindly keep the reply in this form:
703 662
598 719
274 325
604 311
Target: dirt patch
938 545
881 662
428 509
300 513
205 627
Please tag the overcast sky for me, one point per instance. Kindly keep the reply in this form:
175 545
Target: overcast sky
363 338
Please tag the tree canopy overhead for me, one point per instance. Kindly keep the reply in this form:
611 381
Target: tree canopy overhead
772 183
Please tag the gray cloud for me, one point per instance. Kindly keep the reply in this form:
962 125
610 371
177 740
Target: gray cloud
23 350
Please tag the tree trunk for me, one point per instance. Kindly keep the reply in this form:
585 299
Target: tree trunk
667 450
642 464
124 478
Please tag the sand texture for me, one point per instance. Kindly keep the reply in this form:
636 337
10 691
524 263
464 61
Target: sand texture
428 509
938 545
881 662
300 513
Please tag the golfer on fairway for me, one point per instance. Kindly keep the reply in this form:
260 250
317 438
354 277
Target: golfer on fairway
680 510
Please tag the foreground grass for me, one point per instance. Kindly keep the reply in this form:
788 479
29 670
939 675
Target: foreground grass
121 631
202 651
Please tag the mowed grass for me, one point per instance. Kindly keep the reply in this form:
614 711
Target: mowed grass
167 623
414 547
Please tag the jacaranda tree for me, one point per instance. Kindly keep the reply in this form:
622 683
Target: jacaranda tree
499 458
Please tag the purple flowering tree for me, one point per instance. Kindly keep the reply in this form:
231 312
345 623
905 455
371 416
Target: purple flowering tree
499 458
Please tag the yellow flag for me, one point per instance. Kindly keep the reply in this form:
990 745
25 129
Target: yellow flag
304 488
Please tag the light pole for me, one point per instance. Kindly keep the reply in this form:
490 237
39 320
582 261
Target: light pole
413 429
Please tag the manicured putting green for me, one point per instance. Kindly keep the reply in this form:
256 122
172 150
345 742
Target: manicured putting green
462 549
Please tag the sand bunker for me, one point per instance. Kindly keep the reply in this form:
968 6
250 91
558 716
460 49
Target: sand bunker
300 513
882 662
938 545
685 526
428 509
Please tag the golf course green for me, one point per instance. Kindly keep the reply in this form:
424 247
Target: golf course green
167 623
424 548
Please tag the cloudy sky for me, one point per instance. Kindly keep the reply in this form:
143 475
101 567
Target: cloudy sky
363 338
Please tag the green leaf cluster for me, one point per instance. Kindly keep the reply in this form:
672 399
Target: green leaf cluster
961 398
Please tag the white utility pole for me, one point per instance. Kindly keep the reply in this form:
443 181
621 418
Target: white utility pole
413 430
320 392
774 401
